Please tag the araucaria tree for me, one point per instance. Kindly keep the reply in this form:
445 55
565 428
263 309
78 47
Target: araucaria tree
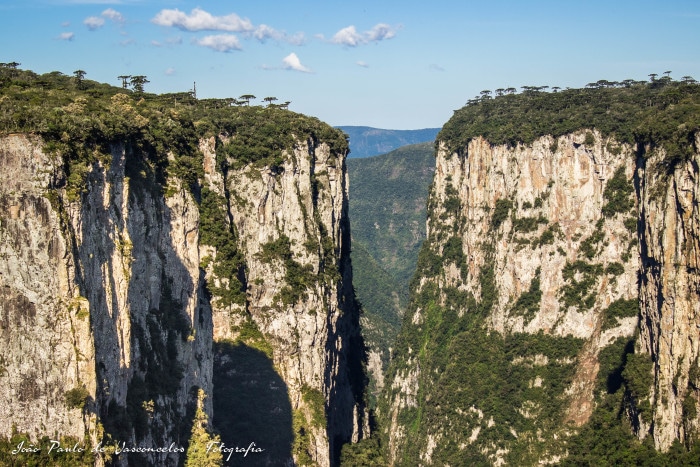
138 82
202 451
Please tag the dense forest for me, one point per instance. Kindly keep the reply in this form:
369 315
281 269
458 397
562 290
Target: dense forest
80 118
658 112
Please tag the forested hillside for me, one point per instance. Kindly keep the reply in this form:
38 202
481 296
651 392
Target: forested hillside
387 220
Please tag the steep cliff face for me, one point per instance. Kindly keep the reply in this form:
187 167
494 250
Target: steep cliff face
105 302
54 351
670 295
543 263
126 288
291 230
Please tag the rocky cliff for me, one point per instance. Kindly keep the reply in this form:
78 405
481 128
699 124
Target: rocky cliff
558 285
669 295
102 300
291 233
144 260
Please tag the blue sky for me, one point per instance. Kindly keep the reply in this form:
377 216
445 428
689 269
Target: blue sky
387 64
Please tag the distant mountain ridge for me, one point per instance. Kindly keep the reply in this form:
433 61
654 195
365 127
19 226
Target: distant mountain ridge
366 141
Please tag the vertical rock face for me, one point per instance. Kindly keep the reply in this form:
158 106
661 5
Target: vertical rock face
544 263
47 346
527 260
292 232
121 302
104 294
670 295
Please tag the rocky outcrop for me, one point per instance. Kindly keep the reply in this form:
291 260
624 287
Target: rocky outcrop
580 242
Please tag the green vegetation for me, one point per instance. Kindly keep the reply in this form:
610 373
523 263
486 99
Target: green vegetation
618 194
591 247
607 438
77 397
391 231
387 236
81 124
620 308
527 224
500 213
216 230
528 304
297 276
317 403
250 335
662 113
365 453
198 454
68 457
581 278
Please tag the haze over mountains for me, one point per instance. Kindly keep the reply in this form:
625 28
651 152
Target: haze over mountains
367 141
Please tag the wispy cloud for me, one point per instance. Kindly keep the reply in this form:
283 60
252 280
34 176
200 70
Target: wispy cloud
435 67
349 36
66 36
264 32
362 64
96 22
219 42
292 62
200 20
171 41
170 71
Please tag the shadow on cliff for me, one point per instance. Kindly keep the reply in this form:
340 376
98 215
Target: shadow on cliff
140 381
251 405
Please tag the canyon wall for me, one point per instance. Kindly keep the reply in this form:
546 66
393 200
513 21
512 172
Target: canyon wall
543 262
124 294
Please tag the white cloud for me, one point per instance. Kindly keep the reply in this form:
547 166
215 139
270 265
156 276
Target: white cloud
219 42
349 36
362 64
264 32
292 62
380 32
114 15
200 20
94 22
170 71
66 36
